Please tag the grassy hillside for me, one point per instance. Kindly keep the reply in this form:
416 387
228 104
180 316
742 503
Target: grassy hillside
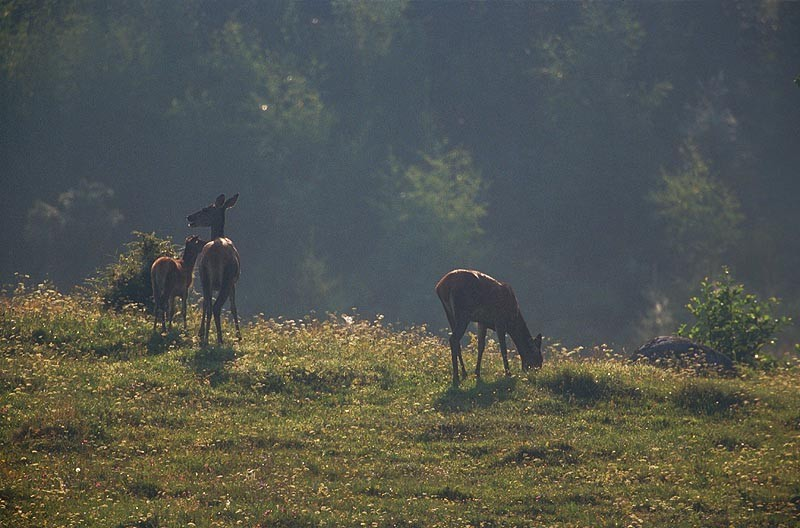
337 424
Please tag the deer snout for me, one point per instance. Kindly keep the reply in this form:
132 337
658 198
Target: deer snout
528 364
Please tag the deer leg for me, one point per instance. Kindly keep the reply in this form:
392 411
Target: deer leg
183 307
455 348
218 322
164 315
171 314
164 307
461 359
201 333
501 337
155 301
233 312
218 304
207 319
207 327
481 348
204 320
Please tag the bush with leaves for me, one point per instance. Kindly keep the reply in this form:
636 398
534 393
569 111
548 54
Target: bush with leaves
732 321
127 281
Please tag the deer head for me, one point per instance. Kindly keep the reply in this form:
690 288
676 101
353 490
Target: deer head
531 355
194 245
213 216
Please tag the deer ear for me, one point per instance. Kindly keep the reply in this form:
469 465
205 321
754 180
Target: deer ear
231 201
220 200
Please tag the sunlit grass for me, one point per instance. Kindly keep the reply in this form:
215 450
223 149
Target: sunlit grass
344 422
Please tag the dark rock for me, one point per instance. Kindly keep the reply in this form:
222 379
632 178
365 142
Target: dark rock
674 351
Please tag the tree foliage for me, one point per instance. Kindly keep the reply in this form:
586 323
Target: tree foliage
82 222
441 196
376 145
701 217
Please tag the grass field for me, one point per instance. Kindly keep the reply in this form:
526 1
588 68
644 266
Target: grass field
330 423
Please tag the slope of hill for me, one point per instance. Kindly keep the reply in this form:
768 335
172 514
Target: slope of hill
346 422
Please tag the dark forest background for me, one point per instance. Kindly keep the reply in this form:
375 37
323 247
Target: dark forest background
602 157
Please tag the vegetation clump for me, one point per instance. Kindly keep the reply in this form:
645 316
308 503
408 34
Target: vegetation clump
708 397
40 319
127 281
581 382
732 321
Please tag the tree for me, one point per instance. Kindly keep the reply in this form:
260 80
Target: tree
431 218
700 216
69 237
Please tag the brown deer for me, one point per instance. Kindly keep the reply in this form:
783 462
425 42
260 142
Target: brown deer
219 266
469 295
172 278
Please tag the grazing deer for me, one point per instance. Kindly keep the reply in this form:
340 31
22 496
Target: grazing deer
219 266
468 296
172 278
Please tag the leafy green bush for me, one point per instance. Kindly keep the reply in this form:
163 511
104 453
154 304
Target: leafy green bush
733 322
127 281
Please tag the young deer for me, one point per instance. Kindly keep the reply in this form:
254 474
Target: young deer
219 266
469 295
172 278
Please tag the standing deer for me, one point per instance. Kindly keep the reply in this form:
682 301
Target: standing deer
172 278
469 295
219 266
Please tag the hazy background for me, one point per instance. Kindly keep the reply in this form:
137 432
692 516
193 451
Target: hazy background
602 157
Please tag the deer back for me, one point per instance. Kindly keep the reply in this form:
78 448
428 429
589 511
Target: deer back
165 274
219 263
478 297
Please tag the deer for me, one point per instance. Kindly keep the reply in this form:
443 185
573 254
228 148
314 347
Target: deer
170 278
219 267
471 296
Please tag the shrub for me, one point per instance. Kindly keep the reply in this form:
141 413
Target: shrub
731 321
127 281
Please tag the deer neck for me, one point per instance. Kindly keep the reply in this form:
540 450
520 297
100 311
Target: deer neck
520 334
188 262
218 230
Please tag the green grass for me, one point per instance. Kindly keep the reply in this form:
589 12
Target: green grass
335 424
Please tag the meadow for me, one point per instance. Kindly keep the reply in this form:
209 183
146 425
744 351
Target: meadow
343 421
